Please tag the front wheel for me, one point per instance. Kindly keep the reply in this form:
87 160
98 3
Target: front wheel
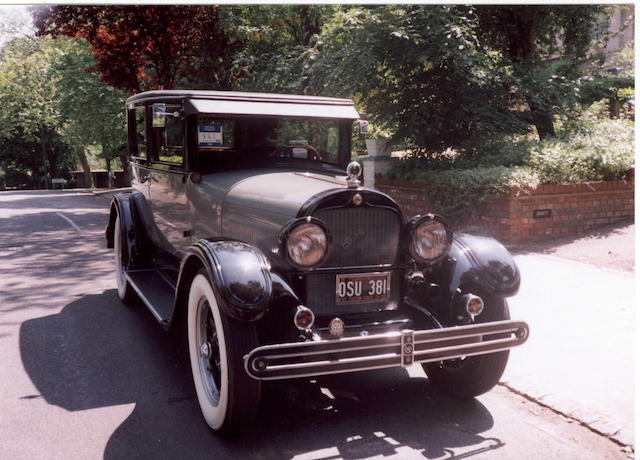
228 397
474 375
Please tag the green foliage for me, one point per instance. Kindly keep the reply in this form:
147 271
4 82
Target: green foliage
608 87
591 148
603 151
32 146
51 101
93 111
419 72
277 43
455 191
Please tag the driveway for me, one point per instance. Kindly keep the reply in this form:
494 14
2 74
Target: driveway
578 296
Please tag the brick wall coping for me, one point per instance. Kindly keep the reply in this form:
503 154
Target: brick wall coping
583 187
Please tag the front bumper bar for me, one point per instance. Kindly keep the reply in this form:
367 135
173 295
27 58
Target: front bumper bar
392 349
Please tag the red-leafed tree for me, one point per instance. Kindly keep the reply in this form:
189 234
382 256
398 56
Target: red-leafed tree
147 47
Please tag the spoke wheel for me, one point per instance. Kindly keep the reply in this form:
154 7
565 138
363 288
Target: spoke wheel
209 356
227 396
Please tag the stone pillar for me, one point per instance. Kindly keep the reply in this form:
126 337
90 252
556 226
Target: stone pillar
378 161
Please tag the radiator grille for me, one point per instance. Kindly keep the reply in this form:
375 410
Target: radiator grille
361 236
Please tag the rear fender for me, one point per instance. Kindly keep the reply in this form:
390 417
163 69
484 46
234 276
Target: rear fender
132 229
121 206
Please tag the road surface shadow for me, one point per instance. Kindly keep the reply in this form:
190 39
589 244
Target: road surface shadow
98 353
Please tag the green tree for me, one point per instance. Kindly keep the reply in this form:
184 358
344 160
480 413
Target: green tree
30 121
93 111
528 36
53 109
276 45
418 70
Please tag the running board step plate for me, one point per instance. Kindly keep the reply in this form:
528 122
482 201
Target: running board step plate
155 291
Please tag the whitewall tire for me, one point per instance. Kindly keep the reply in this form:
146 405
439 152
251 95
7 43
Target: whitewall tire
125 290
227 396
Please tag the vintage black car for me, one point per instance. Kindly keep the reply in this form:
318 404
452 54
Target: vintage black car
248 227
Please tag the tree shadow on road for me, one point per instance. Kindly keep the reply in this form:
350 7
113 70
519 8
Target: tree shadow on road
97 353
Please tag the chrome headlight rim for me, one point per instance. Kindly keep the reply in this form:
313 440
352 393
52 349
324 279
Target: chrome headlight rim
414 225
286 233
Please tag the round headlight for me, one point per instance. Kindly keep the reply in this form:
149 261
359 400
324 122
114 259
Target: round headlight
307 244
430 239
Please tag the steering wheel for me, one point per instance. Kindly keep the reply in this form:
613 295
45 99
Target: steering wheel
286 151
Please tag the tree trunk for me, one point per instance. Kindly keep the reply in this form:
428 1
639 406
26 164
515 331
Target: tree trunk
310 25
544 125
542 119
124 160
86 169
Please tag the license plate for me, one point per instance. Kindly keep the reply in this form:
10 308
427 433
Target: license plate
363 287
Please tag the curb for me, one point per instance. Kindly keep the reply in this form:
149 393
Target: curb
628 446
101 192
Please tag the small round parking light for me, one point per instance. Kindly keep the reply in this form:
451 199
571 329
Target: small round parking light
303 318
473 304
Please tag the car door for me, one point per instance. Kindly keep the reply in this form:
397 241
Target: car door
137 125
167 184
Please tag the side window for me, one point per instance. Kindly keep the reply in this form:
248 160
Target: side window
141 131
169 139
166 143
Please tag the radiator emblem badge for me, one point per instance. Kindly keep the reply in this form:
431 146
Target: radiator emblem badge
349 240
357 199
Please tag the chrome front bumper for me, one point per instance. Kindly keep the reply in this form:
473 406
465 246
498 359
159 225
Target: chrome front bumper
392 349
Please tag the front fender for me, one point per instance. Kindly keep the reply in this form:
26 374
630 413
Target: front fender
240 274
483 262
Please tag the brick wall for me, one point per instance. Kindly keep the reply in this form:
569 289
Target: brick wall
550 210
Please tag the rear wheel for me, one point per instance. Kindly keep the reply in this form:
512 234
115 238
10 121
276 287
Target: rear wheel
228 397
125 290
475 375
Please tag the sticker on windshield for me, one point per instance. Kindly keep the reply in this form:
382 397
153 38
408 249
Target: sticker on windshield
210 134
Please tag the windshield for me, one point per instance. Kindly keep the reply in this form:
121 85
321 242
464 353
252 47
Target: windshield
234 142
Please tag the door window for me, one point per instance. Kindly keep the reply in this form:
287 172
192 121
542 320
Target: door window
141 131
168 139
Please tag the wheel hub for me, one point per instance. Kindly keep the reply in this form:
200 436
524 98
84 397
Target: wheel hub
205 350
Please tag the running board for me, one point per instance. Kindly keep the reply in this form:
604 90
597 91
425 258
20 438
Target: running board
156 291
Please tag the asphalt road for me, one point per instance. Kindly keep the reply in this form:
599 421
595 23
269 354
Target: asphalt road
85 377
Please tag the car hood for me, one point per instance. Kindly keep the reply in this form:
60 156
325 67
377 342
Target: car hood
280 192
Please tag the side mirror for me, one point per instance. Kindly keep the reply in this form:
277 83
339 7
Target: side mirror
159 120
364 124
160 114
